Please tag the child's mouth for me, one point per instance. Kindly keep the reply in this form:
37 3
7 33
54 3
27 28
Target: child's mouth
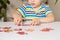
32 3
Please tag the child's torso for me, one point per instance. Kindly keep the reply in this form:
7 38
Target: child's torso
29 12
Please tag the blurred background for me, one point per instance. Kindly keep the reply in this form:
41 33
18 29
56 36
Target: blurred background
7 8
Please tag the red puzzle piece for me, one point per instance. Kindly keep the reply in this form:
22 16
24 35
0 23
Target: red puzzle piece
1 30
21 33
18 29
5 30
6 27
24 25
46 29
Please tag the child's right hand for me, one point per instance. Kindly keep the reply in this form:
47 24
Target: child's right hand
17 19
35 22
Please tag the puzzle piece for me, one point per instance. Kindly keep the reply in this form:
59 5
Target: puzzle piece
6 27
46 29
1 30
29 30
17 29
21 33
8 30
24 25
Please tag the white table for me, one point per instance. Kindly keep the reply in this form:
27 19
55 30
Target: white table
36 35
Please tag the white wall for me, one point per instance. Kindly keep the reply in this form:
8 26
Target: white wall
13 5
55 8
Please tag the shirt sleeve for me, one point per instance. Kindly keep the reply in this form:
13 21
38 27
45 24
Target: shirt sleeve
21 11
48 10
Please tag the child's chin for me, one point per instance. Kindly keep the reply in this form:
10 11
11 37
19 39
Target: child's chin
34 6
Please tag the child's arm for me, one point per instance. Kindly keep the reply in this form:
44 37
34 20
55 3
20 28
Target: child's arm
17 18
48 18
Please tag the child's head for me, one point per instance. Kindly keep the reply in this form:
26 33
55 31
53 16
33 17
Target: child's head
35 3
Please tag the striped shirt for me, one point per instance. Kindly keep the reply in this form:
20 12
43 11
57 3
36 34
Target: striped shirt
28 12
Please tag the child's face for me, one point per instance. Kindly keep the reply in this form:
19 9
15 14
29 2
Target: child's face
34 3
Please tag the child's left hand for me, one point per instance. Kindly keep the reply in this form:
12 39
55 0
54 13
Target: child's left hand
35 22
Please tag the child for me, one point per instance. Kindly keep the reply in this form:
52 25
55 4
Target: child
36 10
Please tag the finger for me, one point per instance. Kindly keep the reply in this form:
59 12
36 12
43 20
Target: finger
32 24
15 21
21 23
37 23
18 22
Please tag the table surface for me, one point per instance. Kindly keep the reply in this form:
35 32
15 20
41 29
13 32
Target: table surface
36 35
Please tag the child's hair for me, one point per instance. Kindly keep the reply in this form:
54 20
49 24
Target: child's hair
45 1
